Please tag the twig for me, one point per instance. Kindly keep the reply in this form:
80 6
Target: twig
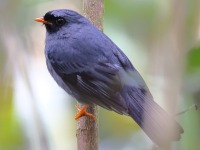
194 106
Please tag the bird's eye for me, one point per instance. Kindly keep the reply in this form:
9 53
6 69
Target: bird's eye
60 21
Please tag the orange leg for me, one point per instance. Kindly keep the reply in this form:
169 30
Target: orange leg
82 112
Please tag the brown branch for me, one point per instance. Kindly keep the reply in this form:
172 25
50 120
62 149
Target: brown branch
93 10
87 131
87 128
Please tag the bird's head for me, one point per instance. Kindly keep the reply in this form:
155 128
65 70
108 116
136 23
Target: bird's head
64 19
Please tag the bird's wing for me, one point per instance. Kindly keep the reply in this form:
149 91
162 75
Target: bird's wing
94 72
94 82
122 59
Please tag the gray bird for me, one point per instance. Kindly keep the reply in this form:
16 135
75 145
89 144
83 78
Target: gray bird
91 68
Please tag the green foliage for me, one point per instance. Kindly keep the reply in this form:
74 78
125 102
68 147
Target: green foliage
138 18
10 137
190 122
193 60
116 125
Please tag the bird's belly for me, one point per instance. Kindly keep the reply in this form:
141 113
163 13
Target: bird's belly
57 78
67 87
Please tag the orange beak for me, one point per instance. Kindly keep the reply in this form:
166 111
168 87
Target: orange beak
42 20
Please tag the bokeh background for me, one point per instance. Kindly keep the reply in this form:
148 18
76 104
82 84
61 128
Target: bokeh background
161 38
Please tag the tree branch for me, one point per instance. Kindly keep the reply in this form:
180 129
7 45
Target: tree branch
93 10
87 128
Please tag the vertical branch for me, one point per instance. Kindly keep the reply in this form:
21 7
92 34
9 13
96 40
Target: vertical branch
93 10
87 131
87 128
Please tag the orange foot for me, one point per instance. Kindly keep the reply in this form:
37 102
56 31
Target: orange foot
82 112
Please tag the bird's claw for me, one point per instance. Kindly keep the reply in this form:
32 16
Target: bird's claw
82 112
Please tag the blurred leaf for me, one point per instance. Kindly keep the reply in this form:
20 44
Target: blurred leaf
193 60
10 135
190 123
138 17
111 124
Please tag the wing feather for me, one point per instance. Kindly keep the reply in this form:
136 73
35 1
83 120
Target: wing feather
99 83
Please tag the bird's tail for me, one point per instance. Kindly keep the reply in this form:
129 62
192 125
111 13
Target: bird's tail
156 123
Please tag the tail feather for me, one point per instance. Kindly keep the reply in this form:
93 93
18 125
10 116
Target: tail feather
161 128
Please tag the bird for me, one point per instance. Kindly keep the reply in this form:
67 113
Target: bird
90 67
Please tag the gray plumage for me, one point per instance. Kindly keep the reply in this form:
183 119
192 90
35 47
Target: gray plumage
91 68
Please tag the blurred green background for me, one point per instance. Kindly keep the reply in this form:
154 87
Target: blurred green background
161 38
